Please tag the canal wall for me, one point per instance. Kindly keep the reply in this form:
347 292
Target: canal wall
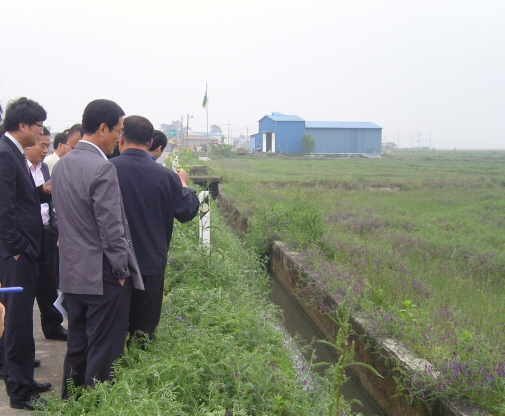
385 355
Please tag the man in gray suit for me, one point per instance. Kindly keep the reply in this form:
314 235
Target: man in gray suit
98 268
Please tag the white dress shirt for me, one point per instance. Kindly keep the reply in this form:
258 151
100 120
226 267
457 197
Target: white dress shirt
50 161
100 150
38 177
13 140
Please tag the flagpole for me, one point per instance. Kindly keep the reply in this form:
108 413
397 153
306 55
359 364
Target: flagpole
207 111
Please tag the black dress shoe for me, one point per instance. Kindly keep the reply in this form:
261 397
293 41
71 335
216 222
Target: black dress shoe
28 404
61 335
41 386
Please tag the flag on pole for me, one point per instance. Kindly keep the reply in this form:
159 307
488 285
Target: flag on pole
204 104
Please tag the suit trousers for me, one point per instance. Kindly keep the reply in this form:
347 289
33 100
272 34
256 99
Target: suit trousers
145 307
18 342
47 287
97 328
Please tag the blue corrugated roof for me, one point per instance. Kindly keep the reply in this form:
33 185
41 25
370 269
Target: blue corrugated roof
282 117
340 125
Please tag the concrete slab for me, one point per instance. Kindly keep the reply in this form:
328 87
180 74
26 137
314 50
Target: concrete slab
51 353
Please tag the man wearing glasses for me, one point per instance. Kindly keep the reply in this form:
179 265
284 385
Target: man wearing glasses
63 143
98 268
20 244
47 286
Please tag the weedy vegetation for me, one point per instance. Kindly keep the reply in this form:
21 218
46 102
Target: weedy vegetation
417 240
218 350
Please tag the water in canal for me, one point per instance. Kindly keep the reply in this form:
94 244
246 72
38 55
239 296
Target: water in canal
297 324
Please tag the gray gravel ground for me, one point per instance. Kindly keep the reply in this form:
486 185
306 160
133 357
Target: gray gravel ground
51 353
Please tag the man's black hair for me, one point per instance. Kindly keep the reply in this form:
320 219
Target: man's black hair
46 132
25 111
159 139
60 138
76 128
138 130
98 112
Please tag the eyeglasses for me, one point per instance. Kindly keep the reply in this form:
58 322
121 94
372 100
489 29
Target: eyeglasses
40 125
66 144
119 132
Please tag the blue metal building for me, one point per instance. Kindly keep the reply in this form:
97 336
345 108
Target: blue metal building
278 133
282 133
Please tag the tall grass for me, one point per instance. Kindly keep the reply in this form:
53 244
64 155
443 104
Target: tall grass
417 239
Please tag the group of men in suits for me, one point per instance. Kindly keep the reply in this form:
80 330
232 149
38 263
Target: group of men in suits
111 278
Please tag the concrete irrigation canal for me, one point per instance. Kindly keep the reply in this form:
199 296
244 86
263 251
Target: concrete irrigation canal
300 327
384 355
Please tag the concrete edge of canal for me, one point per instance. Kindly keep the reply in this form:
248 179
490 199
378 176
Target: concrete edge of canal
386 354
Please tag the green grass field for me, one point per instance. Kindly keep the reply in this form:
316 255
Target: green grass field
416 238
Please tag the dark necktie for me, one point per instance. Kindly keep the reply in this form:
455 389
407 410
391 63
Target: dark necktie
28 170
26 164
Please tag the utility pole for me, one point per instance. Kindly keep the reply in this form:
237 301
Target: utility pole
398 139
228 131
181 133
187 130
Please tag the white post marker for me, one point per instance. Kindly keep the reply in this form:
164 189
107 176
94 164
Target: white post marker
175 163
204 223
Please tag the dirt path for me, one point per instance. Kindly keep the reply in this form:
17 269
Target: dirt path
51 353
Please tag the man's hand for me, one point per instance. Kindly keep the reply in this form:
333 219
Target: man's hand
183 175
46 188
2 317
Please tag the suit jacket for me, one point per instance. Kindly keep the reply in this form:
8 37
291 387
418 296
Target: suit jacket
153 196
20 221
91 222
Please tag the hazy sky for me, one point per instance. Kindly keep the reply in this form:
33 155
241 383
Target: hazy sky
419 67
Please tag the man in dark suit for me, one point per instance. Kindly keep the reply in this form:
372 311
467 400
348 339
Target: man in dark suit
153 196
20 243
98 268
47 286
